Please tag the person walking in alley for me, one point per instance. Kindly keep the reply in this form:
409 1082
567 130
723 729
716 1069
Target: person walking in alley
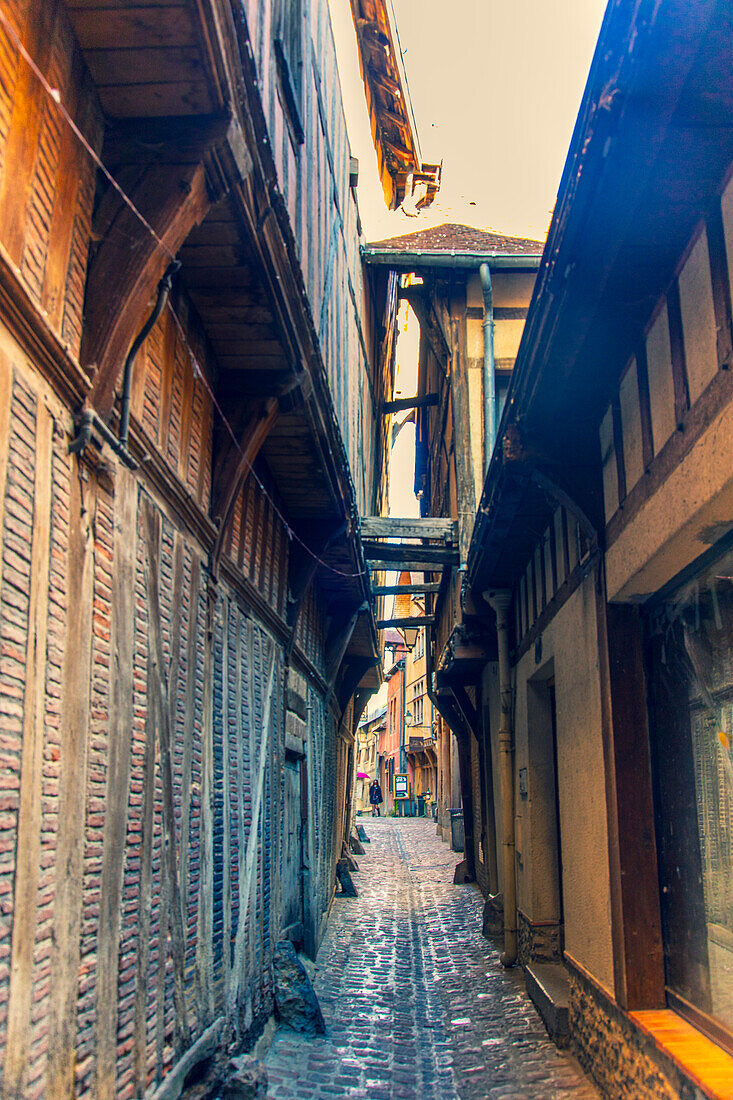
375 797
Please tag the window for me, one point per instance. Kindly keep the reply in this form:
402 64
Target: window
288 42
689 655
420 644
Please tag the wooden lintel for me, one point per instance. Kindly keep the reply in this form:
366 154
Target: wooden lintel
407 553
406 624
382 527
420 401
406 589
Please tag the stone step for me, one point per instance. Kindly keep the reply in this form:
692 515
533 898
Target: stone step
549 990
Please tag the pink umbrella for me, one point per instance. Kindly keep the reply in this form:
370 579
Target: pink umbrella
362 775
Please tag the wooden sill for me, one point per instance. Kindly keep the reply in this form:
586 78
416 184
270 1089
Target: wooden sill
699 1059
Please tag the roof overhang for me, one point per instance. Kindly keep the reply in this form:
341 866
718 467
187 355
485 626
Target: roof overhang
652 143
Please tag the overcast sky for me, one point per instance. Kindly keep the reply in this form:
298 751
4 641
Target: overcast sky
495 87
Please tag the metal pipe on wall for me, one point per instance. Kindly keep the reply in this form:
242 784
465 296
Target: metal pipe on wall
489 373
500 601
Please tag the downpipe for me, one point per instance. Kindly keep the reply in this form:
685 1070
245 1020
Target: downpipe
89 422
488 371
164 289
500 602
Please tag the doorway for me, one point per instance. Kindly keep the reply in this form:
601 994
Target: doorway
540 794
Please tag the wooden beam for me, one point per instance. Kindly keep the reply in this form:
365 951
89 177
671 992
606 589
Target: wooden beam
413 621
383 564
421 401
302 567
382 527
429 325
407 589
237 468
30 806
129 263
467 709
183 140
407 553
638 953
337 643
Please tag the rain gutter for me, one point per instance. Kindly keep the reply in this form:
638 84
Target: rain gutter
444 257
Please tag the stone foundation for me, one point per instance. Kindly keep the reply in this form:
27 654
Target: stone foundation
621 1059
538 942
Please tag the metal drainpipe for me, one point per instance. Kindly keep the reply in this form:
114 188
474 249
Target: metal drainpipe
489 375
403 757
500 602
164 287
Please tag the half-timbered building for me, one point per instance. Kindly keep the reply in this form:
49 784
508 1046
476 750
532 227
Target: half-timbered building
192 370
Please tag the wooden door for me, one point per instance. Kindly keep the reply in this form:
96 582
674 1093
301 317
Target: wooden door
292 887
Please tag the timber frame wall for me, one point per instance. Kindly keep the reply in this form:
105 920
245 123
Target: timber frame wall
168 656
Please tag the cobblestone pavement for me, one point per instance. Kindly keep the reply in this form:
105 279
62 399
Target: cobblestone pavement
415 1000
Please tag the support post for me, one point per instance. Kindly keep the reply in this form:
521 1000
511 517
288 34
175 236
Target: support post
500 601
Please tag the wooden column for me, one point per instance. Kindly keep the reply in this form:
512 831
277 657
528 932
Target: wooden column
635 911
118 780
465 486
65 957
28 845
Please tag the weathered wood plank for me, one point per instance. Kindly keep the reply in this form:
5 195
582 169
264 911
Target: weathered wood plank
189 724
407 623
142 957
406 553
163 698
6 392
72 163
28 849
246 880
204 967
72 788
139 27
238 960
118 779
21 146
227 804
384 527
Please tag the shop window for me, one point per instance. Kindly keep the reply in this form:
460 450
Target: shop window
689 656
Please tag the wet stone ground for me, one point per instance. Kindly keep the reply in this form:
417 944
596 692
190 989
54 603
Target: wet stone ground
415 1001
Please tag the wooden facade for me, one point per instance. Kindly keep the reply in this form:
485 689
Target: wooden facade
185 636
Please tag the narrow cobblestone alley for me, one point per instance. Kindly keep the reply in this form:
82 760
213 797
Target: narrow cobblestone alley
415 1001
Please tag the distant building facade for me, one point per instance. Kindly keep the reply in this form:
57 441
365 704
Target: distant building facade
470 290
366 747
